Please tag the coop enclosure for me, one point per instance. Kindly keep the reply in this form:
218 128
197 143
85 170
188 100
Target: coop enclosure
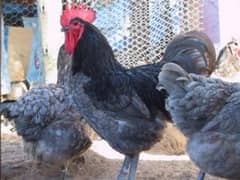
138 30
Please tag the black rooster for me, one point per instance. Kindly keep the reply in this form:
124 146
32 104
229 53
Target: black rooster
122 105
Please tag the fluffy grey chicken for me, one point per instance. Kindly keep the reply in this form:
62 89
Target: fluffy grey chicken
207 111
45 117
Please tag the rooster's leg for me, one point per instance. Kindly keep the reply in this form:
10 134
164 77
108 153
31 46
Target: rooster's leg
124 169
66 170
201 175
133 166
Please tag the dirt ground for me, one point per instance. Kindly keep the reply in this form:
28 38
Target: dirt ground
15 165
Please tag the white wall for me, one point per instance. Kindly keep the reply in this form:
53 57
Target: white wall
229 15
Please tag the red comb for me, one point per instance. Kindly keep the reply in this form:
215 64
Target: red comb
77 11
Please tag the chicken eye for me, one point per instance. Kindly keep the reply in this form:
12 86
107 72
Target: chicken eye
75 23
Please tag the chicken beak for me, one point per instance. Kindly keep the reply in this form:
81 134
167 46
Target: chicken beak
65 29
159 87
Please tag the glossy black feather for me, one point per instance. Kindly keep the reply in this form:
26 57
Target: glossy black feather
144 80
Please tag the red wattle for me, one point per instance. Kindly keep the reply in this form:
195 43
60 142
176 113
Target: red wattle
71 39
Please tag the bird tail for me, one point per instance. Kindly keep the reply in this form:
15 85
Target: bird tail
188 48
5 107
172 78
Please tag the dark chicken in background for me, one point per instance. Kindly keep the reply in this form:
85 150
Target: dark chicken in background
207 111
46 117
193 45
122 105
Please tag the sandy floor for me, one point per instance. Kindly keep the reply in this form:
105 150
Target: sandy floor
101 162
15 165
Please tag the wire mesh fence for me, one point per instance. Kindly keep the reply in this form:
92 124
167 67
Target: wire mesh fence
14 10
138 30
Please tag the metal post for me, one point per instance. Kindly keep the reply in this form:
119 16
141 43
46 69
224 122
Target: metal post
52 37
